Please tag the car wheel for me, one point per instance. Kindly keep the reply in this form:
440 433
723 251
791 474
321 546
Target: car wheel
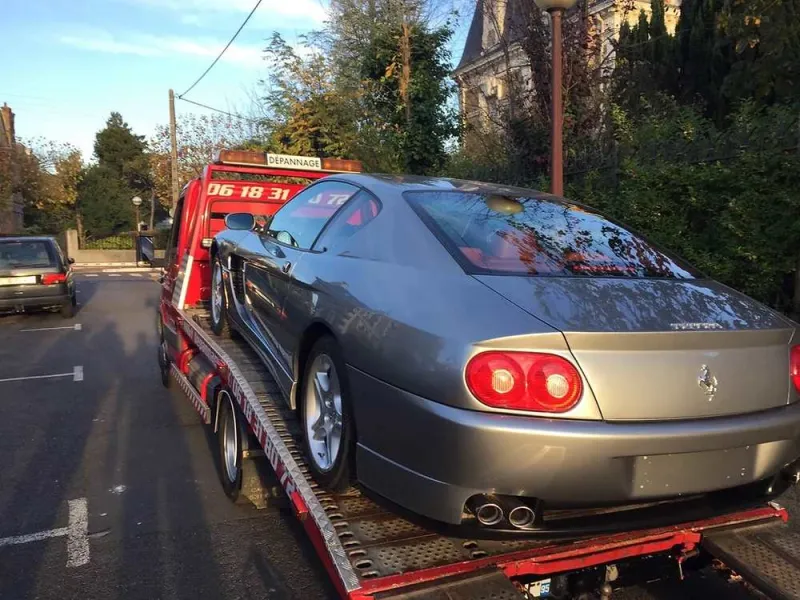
68 310
230 434
328 432
163 356
219 304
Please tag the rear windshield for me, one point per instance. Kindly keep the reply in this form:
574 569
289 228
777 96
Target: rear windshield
502 234
19 254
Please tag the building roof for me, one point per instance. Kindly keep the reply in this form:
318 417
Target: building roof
512 30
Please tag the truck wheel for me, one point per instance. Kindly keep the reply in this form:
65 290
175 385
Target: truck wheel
327 418
231 434
163 356
219 303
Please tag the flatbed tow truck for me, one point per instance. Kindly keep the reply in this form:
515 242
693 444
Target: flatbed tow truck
371 550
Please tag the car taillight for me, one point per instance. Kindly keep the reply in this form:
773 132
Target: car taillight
526 381
53 278
794 366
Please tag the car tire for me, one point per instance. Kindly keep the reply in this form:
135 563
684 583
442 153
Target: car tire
231 435
68 310
219 302
325 409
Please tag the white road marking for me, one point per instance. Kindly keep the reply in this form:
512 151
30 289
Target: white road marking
113 274
135 274
76 532
91 275
76 327
76 374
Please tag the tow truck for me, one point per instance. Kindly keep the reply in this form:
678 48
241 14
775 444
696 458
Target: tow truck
369 549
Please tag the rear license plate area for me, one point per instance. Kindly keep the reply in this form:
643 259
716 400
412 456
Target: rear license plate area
18 280
692 472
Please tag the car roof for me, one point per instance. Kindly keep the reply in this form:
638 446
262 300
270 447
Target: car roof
383 184
26 238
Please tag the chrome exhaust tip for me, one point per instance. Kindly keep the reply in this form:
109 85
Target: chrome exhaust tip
486 510
521 517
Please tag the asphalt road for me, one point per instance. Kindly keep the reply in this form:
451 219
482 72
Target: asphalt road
86 423
159 525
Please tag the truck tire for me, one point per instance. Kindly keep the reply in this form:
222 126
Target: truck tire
232 436
163 356
327 418
219 302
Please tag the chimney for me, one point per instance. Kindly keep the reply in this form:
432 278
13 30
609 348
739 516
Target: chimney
7 116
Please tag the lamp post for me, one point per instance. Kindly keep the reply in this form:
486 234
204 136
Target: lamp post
556 9
137 202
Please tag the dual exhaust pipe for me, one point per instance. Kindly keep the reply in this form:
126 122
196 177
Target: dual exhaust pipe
492 510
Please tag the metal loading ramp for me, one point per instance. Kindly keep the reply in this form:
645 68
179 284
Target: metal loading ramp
766 555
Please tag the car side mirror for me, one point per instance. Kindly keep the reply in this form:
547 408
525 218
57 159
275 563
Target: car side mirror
71 261
240 221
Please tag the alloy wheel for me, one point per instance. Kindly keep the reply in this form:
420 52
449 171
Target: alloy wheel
323 412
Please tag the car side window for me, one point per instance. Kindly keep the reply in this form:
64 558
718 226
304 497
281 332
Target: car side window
357 214
300 220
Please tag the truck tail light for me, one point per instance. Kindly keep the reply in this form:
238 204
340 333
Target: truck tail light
527 381
53 278
794 366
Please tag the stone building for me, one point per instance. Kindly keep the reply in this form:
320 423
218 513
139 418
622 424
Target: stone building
492 50
11 205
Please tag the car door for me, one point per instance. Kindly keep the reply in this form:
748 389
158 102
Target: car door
267 271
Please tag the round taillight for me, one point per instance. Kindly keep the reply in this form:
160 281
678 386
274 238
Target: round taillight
794 366
497 378
524 381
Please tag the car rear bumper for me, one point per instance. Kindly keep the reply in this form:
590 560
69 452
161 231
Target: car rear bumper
23 297
430 457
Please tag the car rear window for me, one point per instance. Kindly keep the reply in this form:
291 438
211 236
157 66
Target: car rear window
507 234
26 254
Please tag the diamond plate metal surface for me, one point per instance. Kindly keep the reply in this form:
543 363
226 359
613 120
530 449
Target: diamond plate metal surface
767 556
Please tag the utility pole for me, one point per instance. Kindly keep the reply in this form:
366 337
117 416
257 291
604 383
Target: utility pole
173 142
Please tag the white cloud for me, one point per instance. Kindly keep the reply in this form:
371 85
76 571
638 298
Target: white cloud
155 46
194 11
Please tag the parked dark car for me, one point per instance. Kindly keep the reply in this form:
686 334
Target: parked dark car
35 274
464 348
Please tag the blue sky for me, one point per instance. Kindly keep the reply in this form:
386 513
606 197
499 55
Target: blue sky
78 60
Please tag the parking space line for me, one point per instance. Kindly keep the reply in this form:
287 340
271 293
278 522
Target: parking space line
76 327
91 275
76 532
76 374
113 274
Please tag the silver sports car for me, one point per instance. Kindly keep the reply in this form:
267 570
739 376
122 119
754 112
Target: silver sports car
474 351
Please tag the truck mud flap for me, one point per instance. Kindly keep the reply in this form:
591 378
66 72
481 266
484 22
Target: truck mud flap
475 586
767 556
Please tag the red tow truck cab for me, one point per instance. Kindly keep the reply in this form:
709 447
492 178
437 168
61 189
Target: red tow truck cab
237 181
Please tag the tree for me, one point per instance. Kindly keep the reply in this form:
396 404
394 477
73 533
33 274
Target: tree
117 147
105 202
53 206
199 137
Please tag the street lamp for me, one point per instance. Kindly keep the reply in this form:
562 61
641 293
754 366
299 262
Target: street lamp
137 202
556 9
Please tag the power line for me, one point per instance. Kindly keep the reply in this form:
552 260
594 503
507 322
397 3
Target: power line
211 66
219 110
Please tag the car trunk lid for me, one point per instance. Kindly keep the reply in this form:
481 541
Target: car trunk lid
663 349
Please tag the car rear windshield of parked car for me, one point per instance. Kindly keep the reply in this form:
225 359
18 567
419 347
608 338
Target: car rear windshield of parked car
26 254
506 234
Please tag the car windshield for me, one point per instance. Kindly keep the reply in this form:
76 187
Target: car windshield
16 254
507 234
